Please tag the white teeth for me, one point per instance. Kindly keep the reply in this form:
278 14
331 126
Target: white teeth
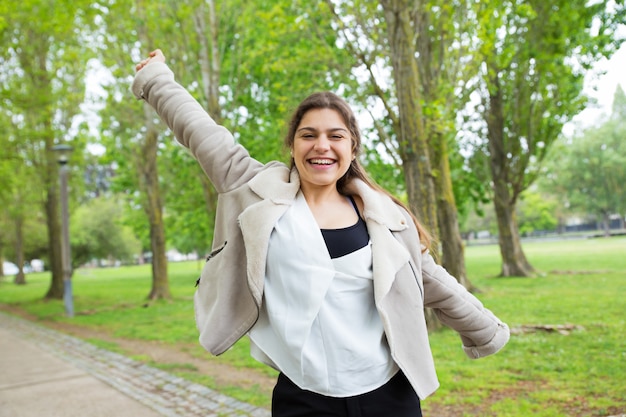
321 161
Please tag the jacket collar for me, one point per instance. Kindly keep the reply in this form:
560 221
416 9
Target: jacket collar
378 207
276 183
382 215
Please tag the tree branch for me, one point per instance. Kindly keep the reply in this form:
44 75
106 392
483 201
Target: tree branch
363 59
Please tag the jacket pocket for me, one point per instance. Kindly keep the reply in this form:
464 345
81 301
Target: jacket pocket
212 255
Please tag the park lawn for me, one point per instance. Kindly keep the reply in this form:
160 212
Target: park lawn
580 283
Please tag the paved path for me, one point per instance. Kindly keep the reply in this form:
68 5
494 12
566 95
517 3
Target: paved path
47 373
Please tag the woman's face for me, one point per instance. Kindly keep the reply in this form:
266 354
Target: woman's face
322 149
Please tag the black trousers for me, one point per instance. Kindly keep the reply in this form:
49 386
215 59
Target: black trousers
394 399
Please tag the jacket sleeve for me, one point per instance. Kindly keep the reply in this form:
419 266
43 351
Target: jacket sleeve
227 164
482 333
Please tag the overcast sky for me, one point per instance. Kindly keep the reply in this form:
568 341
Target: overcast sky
602 87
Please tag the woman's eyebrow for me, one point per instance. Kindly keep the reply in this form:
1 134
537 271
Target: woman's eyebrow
338 129
333 129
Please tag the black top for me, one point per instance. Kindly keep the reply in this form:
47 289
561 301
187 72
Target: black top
341 242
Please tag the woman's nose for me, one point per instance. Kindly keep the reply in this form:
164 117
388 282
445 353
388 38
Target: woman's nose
322 143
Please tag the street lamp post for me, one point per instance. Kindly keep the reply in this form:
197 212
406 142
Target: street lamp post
63 153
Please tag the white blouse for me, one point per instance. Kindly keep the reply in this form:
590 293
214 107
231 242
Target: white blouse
318 323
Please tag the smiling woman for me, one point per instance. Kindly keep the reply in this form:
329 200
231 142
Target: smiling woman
327 273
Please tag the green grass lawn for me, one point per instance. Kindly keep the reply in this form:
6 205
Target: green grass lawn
581 283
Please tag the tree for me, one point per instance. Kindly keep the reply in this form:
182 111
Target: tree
226 68
536 212
11 217
19 197
41 89
229 74
442 47
416 43
591 171
133 142
534 54
410 130
98 233
421 46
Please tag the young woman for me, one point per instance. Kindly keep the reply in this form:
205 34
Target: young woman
327 273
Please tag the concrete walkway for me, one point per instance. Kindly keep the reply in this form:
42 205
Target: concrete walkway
47 373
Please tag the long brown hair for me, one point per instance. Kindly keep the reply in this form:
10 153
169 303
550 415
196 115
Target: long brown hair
328 100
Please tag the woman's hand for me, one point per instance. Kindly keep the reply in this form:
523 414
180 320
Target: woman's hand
154 56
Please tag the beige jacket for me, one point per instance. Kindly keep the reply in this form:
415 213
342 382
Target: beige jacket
253 196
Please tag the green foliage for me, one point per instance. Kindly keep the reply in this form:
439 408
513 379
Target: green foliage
536 212
256 92
271 55
386 174
591 170
188 219
98 234
534 56
530 84
278 53
42 63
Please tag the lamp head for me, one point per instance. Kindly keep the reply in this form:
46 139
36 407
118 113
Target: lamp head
63 153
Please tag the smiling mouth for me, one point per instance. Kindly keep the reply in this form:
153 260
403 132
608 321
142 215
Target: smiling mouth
321 161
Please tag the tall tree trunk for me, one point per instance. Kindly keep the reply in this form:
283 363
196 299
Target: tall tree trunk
514 262
411 133
147 163
452 248
436 74
20 278
149 183
42 118
56 289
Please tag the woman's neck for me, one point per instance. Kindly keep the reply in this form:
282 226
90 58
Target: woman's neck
316 196
331 209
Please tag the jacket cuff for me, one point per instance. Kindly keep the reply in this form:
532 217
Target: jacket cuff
494 345
147 74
